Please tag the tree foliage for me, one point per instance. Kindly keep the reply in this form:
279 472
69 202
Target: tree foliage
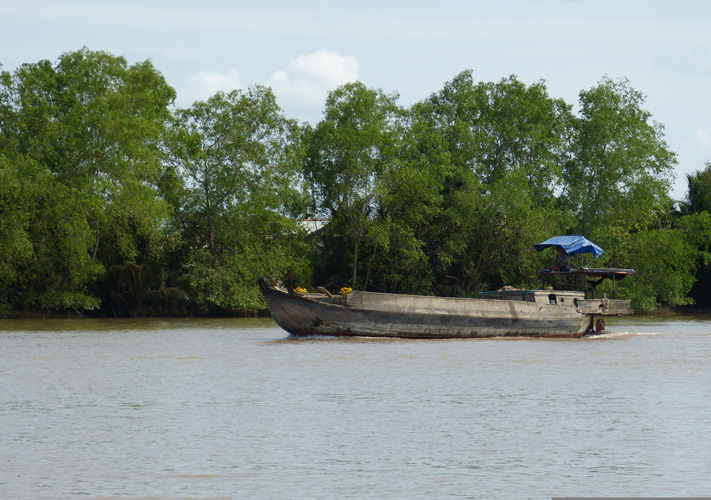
112 198
45 250
505 143
697 215
238 157
698 196
92 126
620 167
347 152
467 189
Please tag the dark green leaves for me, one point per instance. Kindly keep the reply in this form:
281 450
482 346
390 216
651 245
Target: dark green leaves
108 197
236 155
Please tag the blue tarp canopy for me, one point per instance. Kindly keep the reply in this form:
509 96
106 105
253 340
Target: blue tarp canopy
571 245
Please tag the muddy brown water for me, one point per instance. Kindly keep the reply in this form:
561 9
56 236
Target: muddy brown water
232 409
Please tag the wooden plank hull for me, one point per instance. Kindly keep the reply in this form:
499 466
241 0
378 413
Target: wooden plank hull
406 316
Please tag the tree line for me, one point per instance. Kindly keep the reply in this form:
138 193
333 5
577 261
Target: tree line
113 201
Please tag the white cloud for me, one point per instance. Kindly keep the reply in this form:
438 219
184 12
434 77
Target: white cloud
301 88
206 84
307 79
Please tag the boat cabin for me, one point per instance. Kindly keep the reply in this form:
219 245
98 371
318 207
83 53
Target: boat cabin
588 278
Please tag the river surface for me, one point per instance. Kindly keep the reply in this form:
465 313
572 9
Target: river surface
236 409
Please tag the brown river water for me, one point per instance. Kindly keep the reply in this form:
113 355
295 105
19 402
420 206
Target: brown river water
236 409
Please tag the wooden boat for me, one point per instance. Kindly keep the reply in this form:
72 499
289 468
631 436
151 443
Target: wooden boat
503 313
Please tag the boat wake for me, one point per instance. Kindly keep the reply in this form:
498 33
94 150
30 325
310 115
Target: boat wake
310 337
618 335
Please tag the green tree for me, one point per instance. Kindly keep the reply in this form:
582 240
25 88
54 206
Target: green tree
96 124
658 255
698 195
15 222
697 208
616 184
620 166
500 147
239 158
346 153
411 194
45 242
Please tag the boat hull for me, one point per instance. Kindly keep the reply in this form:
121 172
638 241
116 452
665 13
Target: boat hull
406 316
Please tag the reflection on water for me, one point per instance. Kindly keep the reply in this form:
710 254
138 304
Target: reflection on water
129 324
228 408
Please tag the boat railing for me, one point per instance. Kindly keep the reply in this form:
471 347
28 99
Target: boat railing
589 278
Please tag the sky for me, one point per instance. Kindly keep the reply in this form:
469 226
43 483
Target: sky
304 49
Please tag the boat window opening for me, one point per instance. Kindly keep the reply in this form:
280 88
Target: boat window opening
552 299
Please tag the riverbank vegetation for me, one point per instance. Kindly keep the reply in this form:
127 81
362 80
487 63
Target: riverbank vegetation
115 202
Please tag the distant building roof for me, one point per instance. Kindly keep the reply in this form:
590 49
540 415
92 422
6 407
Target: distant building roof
313 225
